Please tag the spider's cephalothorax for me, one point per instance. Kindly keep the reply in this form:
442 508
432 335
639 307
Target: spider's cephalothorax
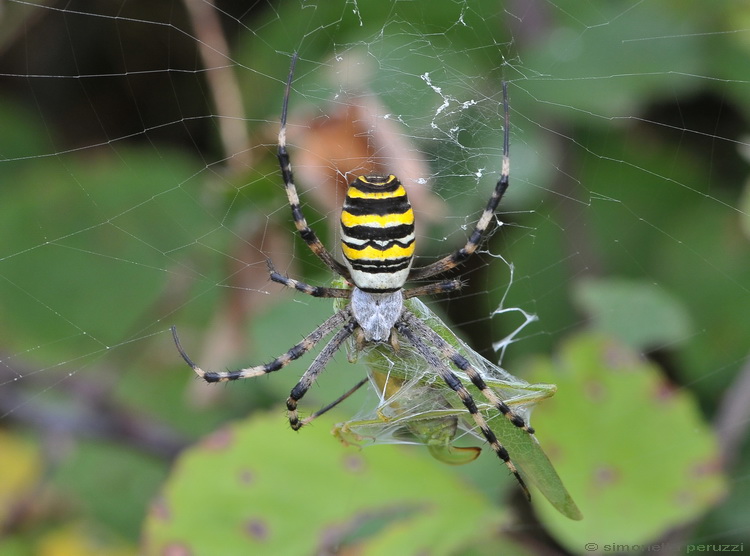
377 241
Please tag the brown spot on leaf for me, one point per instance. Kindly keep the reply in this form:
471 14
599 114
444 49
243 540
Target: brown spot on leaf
354 463
665 391
554 450
246 477
176 549
617 357
160 509
605 476
709 467
257 529
595 391
684 498
218 440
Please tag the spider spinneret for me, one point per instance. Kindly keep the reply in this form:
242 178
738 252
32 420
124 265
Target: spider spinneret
377 243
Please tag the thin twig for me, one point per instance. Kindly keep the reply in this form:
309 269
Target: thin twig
222 82
733 416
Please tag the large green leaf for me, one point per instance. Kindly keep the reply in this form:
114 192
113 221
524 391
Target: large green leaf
256 487
90 224
639 313
635 451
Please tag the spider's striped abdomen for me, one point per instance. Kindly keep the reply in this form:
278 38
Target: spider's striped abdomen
377 233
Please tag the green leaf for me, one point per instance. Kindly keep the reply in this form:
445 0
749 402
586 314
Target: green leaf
82 223
256 487
109 484
635 451
639 313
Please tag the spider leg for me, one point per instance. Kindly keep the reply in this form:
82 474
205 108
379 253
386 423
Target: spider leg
460 256
334 403
463 364
307 343
435 288
313 371
403 326
305 232
315 291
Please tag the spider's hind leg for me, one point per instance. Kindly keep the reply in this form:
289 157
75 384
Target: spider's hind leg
449 352
305 232
313 371
297 351
334 403
405 327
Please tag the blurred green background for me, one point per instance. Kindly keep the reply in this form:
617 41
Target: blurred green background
139 189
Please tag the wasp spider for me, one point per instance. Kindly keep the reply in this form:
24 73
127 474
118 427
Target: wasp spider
377 243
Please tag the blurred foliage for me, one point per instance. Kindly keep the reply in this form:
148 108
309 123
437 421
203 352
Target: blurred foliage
21 465
297 496
640 314
627 226
659 470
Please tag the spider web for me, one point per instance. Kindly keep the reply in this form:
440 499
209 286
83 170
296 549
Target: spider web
141 190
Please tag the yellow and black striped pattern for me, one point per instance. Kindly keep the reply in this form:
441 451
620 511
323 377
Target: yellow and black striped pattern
377 233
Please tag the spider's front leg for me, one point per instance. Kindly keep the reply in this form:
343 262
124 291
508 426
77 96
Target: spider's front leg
461 255
305 232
